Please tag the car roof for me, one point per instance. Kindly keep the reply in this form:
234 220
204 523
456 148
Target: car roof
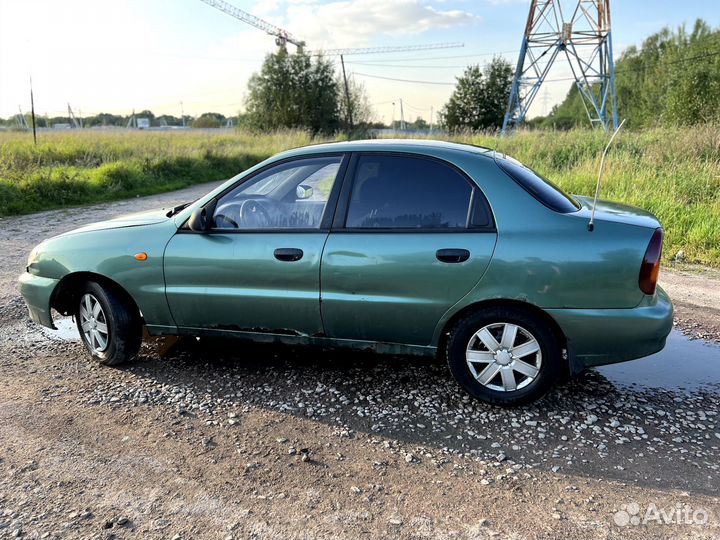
390 145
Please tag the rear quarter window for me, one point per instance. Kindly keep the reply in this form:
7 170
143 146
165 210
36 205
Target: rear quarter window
542 189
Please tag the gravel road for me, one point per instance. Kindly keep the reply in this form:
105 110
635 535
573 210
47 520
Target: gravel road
225 439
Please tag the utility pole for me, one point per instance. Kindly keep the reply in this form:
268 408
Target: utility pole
21 120
347 95
431 118
182 113
32 113
402 116
580 31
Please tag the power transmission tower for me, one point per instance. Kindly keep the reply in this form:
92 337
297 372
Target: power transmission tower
545 99
74 121
583 36
20 119
282 37
132 121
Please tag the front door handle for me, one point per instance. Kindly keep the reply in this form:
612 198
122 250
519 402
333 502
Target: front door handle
288 254
452 255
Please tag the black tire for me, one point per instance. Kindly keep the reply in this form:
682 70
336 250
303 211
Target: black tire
124 328
550 360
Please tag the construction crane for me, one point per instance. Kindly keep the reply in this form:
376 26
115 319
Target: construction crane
580 31
376 50
282 37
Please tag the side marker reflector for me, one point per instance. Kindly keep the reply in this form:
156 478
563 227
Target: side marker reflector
141 256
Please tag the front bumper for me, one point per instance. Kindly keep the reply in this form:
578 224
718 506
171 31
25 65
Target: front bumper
37 292
606 336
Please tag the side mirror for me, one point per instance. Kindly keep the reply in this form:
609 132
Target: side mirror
303 191
199 221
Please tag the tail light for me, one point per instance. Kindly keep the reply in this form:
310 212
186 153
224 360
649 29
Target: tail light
650 269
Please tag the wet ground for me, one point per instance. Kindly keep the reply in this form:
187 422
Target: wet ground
217 438
684 365
615 422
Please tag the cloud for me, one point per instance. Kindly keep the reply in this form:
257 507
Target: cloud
508 2
357 23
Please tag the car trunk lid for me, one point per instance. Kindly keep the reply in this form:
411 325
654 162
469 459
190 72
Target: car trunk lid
621 213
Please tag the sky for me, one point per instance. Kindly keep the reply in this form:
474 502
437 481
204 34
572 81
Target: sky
184 55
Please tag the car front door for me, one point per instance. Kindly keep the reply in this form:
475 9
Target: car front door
258 268
411 237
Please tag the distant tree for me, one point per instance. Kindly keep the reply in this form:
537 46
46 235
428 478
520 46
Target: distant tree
420 124
167 120
479 99
209 120
104 119
672 79
362 112
146 114
293 91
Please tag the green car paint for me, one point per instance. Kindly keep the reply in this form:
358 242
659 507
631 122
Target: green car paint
382 289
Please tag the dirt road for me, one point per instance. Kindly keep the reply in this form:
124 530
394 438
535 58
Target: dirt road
229 440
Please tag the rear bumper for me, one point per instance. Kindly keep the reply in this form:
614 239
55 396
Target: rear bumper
606 336
37 292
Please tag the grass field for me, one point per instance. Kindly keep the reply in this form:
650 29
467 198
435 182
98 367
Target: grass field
674 173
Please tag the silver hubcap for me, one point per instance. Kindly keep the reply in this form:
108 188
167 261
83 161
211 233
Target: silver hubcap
504 357
93 323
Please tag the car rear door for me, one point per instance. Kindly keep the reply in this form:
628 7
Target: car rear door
258 268
412 236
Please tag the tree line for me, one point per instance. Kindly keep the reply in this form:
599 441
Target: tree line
205 120
673 78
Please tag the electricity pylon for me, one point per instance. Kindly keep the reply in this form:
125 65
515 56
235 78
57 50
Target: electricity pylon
583 36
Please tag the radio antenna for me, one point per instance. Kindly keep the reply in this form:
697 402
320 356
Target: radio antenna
497 142
591 224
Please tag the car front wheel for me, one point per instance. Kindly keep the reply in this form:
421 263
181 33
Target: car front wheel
504 356
109 326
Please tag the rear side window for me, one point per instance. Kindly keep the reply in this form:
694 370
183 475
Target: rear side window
401 192
542 189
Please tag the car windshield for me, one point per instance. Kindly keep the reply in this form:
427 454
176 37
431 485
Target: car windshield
539 187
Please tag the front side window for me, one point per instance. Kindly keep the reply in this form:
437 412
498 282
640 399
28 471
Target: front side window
292 195
401 192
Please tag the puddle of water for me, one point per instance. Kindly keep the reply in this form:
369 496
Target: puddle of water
66 330
683 364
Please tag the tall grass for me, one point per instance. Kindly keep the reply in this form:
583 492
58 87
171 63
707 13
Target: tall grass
72 168
672 172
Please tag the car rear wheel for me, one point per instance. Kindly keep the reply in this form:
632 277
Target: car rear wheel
109 326
504 356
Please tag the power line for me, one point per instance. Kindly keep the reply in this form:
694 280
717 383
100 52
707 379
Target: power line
400 66
403 80
422 58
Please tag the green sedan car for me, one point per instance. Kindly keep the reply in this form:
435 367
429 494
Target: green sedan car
402 247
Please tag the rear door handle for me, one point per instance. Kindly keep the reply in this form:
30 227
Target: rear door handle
452 255
288 254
